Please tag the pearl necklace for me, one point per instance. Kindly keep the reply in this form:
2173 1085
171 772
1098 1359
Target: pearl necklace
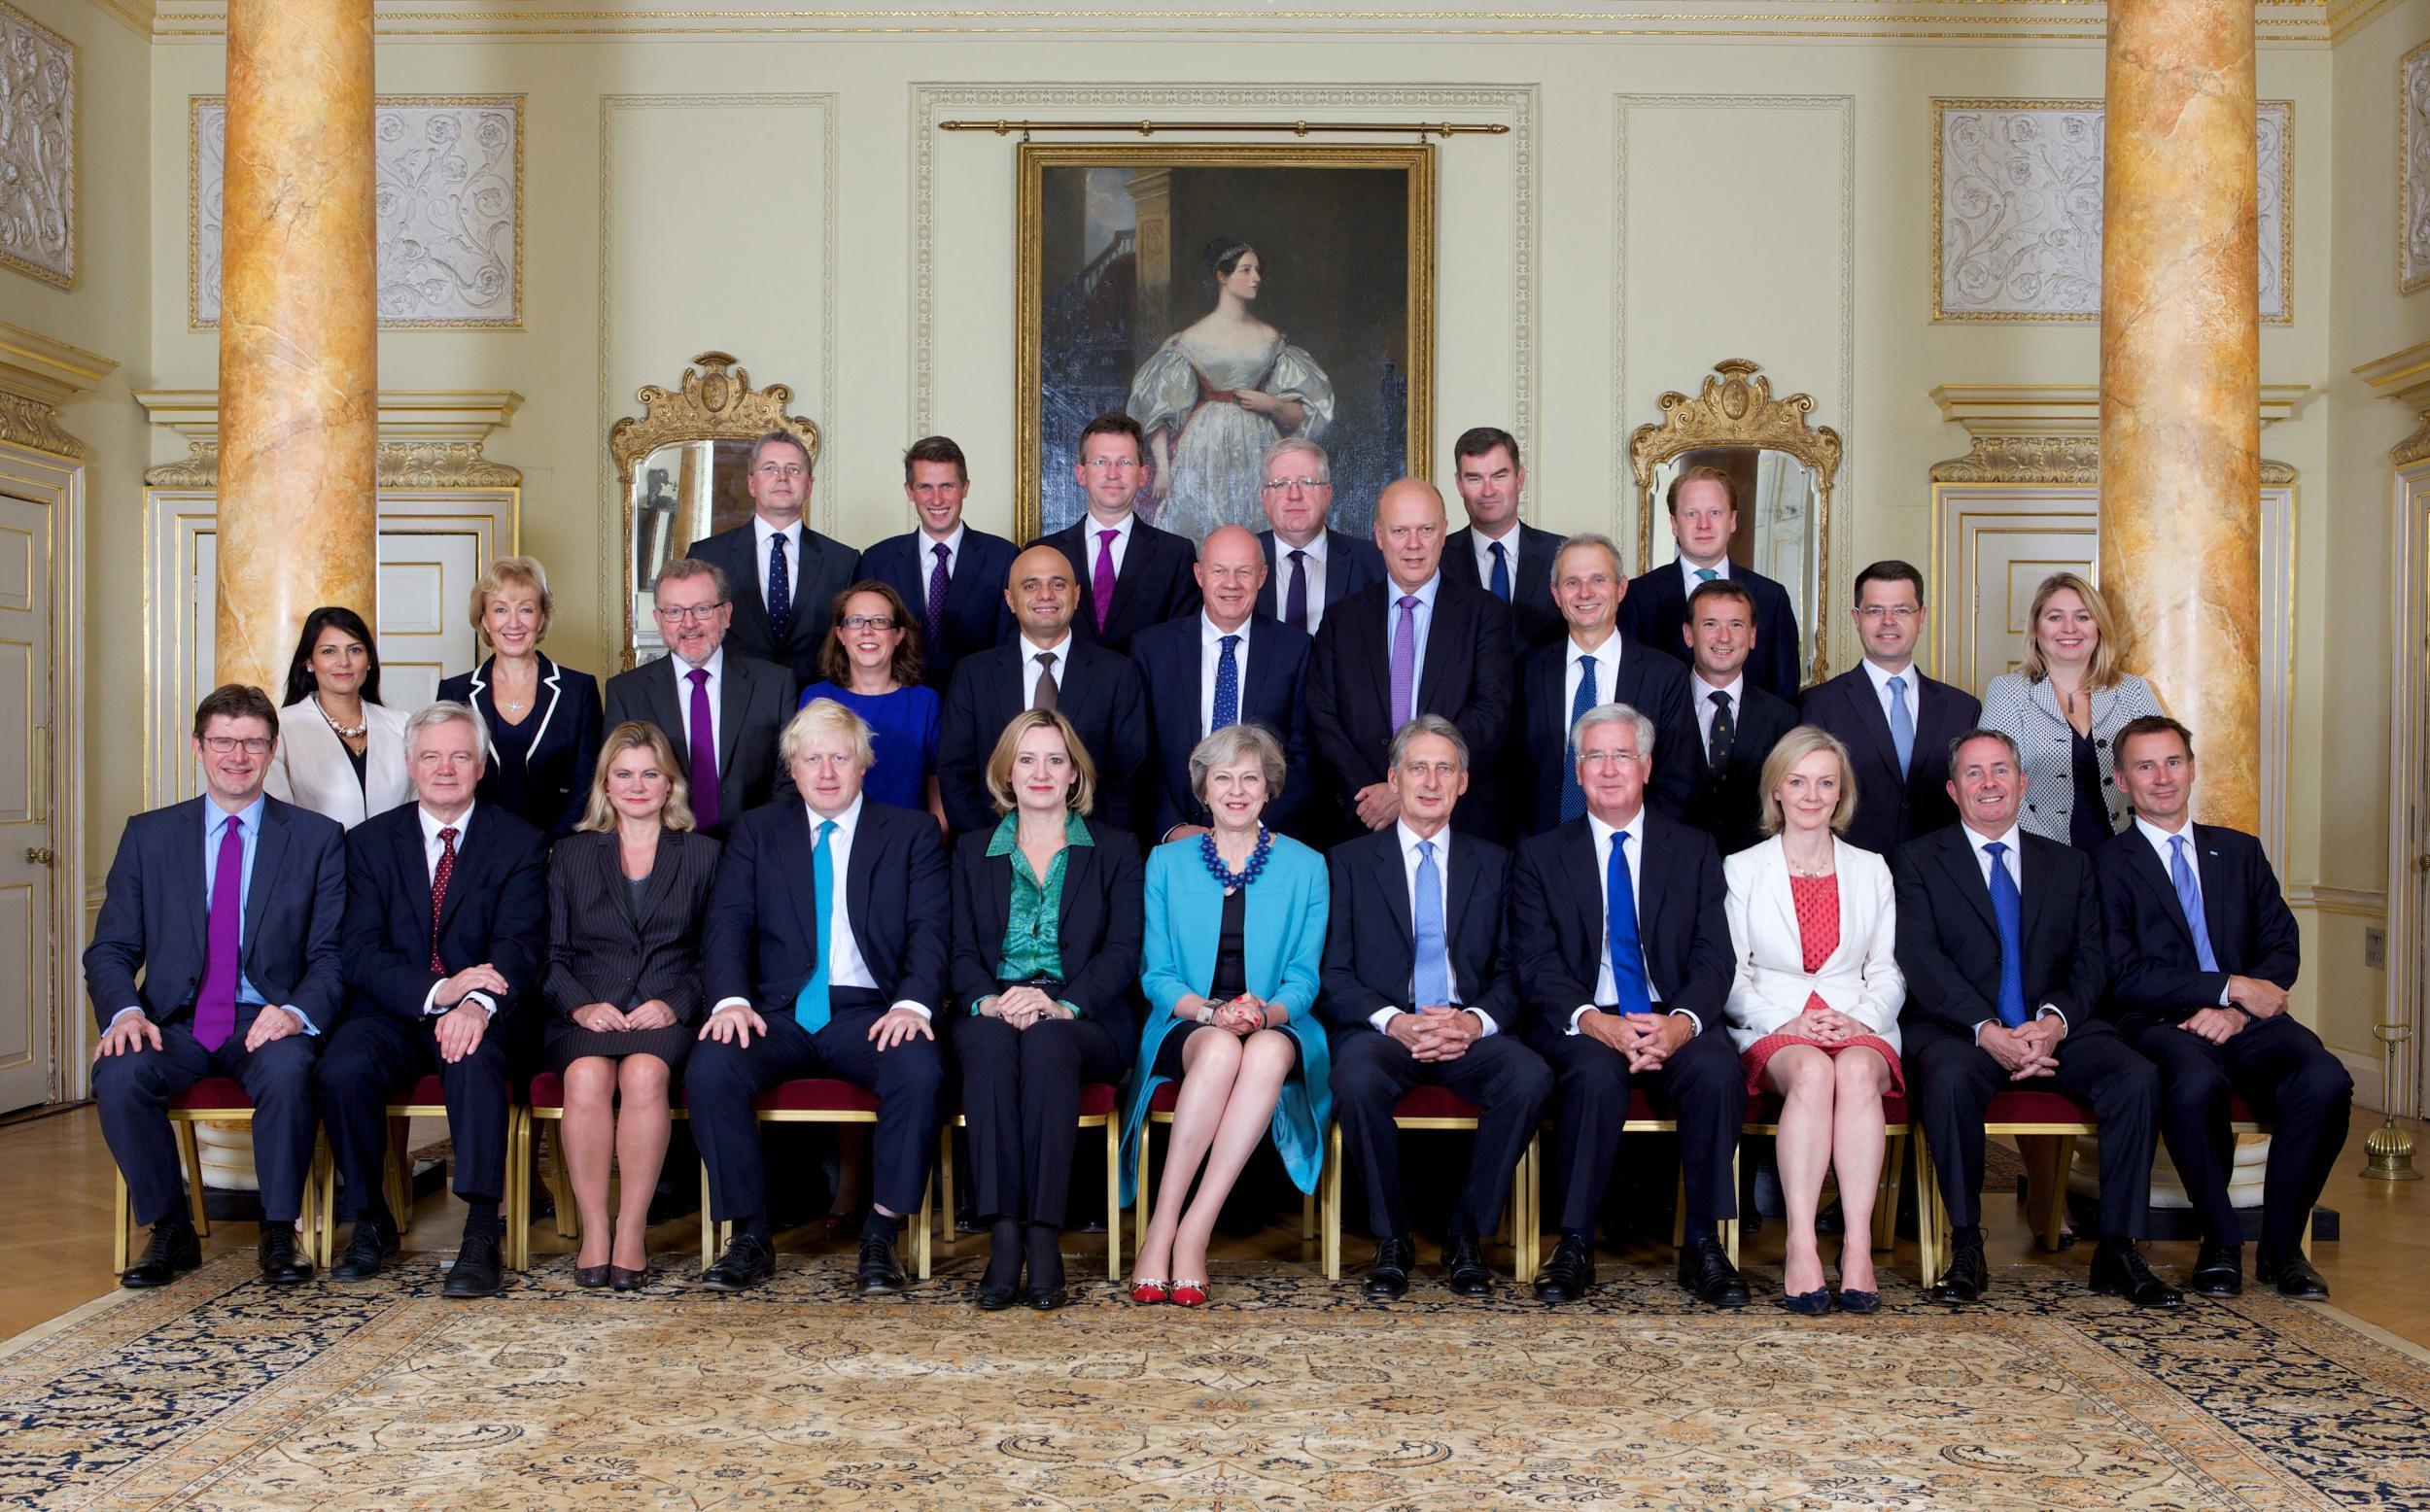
344 732
1233 880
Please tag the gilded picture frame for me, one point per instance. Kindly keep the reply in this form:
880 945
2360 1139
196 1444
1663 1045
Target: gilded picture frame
1120 304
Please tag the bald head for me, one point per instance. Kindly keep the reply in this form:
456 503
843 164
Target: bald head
1041 593
1410 523
1231 569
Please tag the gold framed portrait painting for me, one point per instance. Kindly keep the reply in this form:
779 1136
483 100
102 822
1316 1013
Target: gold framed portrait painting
1224 297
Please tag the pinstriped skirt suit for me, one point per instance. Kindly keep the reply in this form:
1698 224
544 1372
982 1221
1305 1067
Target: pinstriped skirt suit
615 940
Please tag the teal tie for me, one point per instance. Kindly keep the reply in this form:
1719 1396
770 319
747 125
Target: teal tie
810 1010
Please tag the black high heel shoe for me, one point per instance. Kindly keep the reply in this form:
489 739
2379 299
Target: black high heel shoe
1808 1304
1851 1300
621 1279
590 1278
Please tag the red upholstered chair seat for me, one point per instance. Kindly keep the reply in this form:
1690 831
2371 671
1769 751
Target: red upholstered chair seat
1097 1099
548 1090
1435 1102
425 1092
212 1094
817 1094
1642 1107
1165 1097
2241 1111
2035 1106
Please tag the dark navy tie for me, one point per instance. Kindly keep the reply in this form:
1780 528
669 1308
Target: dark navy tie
1501 584
1294 600
780 588
1227 687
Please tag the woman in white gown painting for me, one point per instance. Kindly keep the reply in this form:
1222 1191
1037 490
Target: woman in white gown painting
1219 393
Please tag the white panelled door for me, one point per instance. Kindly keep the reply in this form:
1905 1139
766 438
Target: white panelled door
426 635
29 842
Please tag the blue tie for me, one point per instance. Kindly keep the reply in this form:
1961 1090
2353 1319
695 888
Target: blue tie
1573 797
779 587
1227 687
1901 722
1620 932
1430 979
809 1008
2190 899
2010 910
1501 583
1706 575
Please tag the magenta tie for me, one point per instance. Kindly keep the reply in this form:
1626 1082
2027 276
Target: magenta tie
704 743
215 1008
1404 663
1101 585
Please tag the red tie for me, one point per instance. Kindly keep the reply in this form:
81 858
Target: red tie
438 890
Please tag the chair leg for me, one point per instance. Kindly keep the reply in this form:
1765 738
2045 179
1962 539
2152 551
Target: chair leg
1679 1212
1113 1198
945 1184
1928 1213
2054 1217
1308 1213
561 1183
120 1205
1528 1199
1729 1225
1139 1190
190 1155
707 1229
1885 1204
1331 1186
324 1171
2306 1242
522 1151
920 1245
400 1174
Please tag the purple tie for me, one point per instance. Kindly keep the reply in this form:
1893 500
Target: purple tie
1101 584
937 581
215 1010
1404 663
704 742
1295 601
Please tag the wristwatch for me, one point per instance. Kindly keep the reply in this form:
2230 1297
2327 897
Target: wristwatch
1206 1012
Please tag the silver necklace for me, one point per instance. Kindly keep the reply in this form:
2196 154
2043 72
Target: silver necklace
344 732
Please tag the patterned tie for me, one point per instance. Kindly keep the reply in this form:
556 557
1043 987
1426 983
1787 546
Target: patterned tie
1501 583
2009 911
215 1008
780 588
1048 689
1101 582
938 580
2190 899
1725 731
1620 932
809 1006
1430 979
1901 724
440 880
1706 575
1294 600
1404 663
1573 797
1227 687
704 744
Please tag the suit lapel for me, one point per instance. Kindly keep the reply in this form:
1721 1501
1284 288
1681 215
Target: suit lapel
1337 552
189 869
733 708
659 685
2219 891
415 865
1079 864
551 674
1462 888
470 847
479 696
1394 883
269 853
1453 626
793 848
1858 691
1966 874
2030 885
866 839
742 569
1585 883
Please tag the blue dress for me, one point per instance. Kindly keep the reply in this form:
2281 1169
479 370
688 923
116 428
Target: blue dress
903 725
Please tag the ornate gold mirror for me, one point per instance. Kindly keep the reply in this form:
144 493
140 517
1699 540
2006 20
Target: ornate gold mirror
679 474
1783 467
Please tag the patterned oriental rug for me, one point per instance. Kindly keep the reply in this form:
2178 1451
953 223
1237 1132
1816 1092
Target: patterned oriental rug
1286 1393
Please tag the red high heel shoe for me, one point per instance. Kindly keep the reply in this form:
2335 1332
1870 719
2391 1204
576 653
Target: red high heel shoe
1188 1293
1147 1292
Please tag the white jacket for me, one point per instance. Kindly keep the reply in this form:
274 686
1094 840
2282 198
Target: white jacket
1859 978
312 769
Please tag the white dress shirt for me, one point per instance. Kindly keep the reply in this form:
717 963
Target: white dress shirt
2013 858
1030 671
1700 693
761 530
1605 989
1509 541
1211 657
1607 669
928 545
847 967
1096 545
1409 860
1881 688
714 688
433 848
2161 844
1314 567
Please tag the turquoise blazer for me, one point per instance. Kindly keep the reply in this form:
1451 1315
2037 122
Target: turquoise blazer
1285 940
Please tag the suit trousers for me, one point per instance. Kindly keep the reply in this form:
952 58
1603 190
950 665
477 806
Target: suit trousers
133 1093
2290 1078
1371 1071
374 1055
722 1082
1706 1090
1020 1091
1954 1081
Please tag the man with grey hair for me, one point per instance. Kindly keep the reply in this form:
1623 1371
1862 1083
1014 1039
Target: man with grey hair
1624 963
446 931
1310 566
786 576
1421 989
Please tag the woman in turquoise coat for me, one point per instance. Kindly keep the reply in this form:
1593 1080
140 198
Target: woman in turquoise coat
1235 934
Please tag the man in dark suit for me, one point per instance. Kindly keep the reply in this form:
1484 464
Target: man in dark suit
1737 722
1131 575
784 574
1311 567
824 955
1999 936
1225 664
229 905
1495 551
722 710
1420 988
1595 665
950 576
1896 722
438 998
1045 666
1704 519
1416 643
2201 952
1624 962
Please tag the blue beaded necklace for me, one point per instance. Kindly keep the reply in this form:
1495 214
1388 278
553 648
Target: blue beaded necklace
1235 880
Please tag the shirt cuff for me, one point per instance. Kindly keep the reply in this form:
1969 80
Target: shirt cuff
916 1008
722 1004
2223 993
301 1018
117 1018
1980 1027
1583 1008
979 1006
489 1005
2051 1010
1382 1016
1490 1028
1070 1007
1698 1024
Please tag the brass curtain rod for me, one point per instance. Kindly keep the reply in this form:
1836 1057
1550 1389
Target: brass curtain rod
1442 129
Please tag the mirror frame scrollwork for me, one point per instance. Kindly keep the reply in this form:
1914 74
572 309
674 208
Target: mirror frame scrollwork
713 401
1736 409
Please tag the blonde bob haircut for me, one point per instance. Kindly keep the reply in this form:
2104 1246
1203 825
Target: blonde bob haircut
512 574
1080 797
2108 651
1237 744
1794 747
634 734
825 716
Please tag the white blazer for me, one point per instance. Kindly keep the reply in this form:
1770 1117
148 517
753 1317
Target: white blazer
1859 978
311 768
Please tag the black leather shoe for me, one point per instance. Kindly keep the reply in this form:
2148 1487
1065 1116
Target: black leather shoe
2219 1269
477 1271
2293 1276
879 1272
1388 1273
994 1299
373 1242
747 1263
281 1265
1809 1304
1967 1277
1705 1270
2118 1270
590 1278
620 1279
1571 1272
173 1248
1044 1299
1464 1258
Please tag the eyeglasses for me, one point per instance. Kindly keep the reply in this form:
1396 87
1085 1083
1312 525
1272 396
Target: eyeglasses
867 622
688 614
1305 485
781 470
1112 464
1608 758
1901 612
223 744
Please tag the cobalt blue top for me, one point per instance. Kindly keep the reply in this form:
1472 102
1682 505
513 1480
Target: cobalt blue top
903 725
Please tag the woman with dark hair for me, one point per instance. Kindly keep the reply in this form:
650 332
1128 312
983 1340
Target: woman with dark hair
542 717
340 752
871 665
1216 395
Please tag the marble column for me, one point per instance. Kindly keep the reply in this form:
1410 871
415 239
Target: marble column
299 329
2180 429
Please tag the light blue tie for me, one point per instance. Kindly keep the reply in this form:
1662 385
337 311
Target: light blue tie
2008 911
2190 899
1706 575
1620 932
1901 724
809 1008
1227 687
1430 978
1573 797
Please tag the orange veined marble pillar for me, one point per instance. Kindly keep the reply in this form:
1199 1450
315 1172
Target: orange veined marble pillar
299 329
2180 372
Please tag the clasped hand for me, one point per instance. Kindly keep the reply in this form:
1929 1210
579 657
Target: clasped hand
1243 1015
608 1019
1023 1006
2030 1050
1435 1033
1826 1024
1644 1040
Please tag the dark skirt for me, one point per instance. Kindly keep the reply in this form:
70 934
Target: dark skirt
1168 1054
567 1041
